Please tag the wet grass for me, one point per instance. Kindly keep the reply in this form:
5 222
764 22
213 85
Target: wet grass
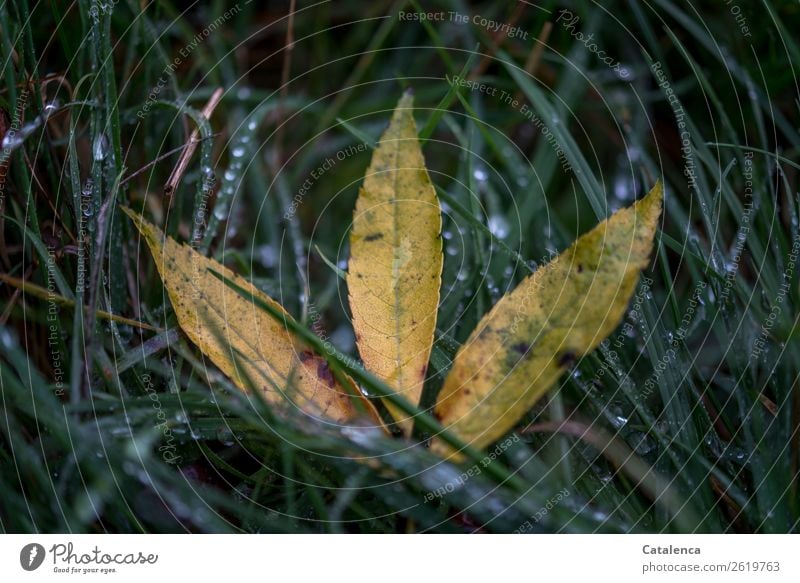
685 420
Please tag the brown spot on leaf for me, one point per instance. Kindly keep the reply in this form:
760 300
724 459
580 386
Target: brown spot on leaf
520 352
324 372
373 237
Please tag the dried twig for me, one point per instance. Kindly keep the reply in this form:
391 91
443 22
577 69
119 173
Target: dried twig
538 49
496 41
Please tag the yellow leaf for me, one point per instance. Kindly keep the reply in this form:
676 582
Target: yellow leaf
533 334
395 267
242 340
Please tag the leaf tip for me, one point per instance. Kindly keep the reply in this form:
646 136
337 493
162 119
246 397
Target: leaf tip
651 203
407 100
137 218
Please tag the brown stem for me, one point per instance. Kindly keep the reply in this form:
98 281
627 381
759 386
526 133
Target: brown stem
183 162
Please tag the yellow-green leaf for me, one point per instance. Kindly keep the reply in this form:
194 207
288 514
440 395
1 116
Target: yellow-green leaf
242 340
533 334
395 266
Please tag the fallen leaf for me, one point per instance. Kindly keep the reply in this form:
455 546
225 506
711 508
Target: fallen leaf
247 344
395 268
536 332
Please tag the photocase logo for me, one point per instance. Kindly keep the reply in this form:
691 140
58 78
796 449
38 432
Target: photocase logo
31 556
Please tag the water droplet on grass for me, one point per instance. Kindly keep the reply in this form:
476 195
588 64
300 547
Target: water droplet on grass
221 212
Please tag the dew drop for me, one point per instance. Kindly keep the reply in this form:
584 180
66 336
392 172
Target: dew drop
100 148
498 226
619 421
267 255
